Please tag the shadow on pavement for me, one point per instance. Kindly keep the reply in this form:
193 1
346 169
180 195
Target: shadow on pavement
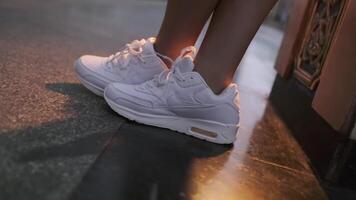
145 162
88 126
135 161
47 161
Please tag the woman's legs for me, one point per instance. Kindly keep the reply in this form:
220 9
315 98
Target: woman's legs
182 24
233 26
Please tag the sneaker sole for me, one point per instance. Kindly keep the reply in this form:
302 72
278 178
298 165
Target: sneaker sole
93 88
203 129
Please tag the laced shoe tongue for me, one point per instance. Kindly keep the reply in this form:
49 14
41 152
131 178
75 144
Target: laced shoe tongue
185 64
137 43
147 47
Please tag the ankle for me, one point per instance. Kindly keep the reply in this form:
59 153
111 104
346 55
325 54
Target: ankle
216 84
217 88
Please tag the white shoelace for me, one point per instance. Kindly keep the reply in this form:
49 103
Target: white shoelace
134 49
126 53
169 75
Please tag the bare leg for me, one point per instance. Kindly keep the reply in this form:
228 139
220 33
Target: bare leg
182 24
233 26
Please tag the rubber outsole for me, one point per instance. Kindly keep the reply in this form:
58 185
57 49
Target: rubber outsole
224 133
93 88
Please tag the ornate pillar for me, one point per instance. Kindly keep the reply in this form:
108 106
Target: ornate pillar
315 90
318 36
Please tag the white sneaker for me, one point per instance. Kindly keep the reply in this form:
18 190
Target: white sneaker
135 63
180 100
